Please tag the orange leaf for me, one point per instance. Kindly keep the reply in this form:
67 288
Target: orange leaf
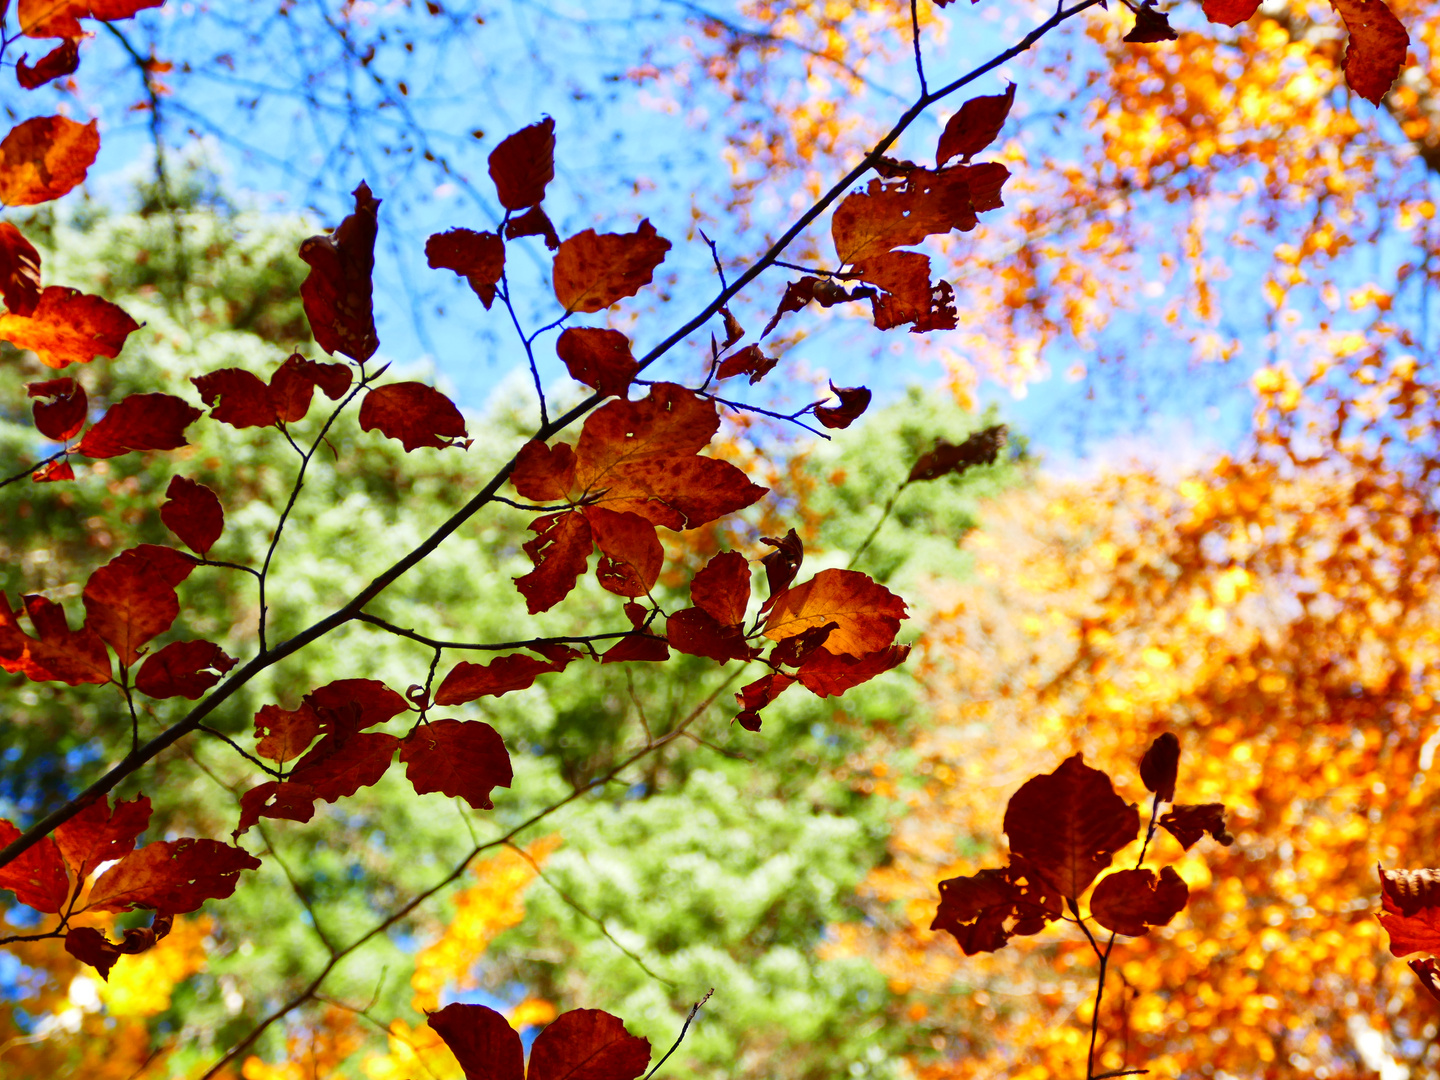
523 164
868 615
1130 902
975 126
339 765
19 271
91 946
1377 48
128 601
594 270
139 422
559 551
748 361
1411 899
36 876
57 18
337 291
63 415
173 876
415 414
756 695
631 552
598 358
74 657
45 157
193 513
461 759
478 257
899 213
99 834
285 734
544 473
237 397
69 327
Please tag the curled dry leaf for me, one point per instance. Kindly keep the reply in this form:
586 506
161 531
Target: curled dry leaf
91 946
853 401
594 270
58 62
1151 25
461 759
1130 902
337 292
756 695
139 422
69 327
781 565
45 157
1428 972
193 513
748 361
824 291
523 164
985 910
980 448
63 412
415 414
478 257
1411 915
974 127
19 271
1188 823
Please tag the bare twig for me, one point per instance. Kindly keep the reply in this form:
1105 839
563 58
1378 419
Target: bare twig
694 1009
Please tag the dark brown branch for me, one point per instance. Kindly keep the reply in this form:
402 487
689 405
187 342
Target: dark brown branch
498 646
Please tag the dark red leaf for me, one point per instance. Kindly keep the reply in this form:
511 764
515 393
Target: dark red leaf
756 695
99 834
853 402
722 588
45 157
193 513
559 551
975 126
523 164
903 212
337 292
53 471
1161 765
1230 12
61 416
139 422
593 270
339 765
824 291
748 361
696 632
544 473
868 614
468 681
19 271
173 876
637 646
1412 914
631 553
59 61
362 703
1151 25
980 448
172 565
415 414
183 669
987 909
1130 902
69 327
461 759
293 385
781 565
1069 824
56 652
587 1044
1428 972
534 222
244 401
482 1040
598 358
478 257
794 651
37 875
1377 49
1189 823
827 675
128 601
91 946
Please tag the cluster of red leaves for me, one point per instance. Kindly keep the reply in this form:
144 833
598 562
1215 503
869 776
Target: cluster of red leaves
169 876
1064 830
582 1044
1411 916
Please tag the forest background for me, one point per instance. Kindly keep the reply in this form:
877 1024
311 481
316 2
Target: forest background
1210 247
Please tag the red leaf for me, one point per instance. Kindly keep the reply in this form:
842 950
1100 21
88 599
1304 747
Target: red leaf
139 422
19 271
1151 25
1160 766
1428 972
1189 823
361 703
91 946
781 565
461 759
1230 12
183 669
598 358
853 402
44 157
70 656
59 61
824 291
63 415
128 602
69 327
468 681
756 695
173 876
293 385
415 414
244 401
1377 48
794 651
900 213
987 909
1131 901
174 566
523 164
337 291
748 361
482 1040
37 875
980 448
587 1044
544 473
559 551
57 18
631 554
975 126
868 614
534 222
193 513
339 765
53 471
593 271
827 675
722 588
99 834
637 646
478 257
285 734
1069 824
275 799
696 632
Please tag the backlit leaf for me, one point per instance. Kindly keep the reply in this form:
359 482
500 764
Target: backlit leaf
415 414
337 292
91 946
1160 766
58 18
44 157
534 222
587 1044
637 646
193 513
1411 899
722 588
478 257
523 164
461 759
482 1040
827 674
59 61
694 631
868 615
128 601
1230 12
748 361
594 270
598 358
37 875
975 126
559 551
756 695
631 554
1377 48
61 416
1130 902
237 397
1189 823
984 911
69 327
294 382
75 657
183 669
468 681
900 213
853 401
100 833
173 876
19 271
139 422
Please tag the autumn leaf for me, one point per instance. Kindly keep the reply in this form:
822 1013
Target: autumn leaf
1428 972
193 513
781 565
285 734
631 553
722 588
1160 766
139 422
337 291
65 410
984 911
594 270
559 551
37 875
100 833
1189 823
336 767
59 18
695 631
1377 48
534 222
236 397
415 414
826 674
69 327
1411 916
1151 25
974 127
45 157
129 601
980 448
900 213
853 401
59 61
75 657
1069 824
183 669
749 361
460 759
91 946
867 615
637 647
598 358
482 1040
587 1044
824 291
293 385
1230 12
173 876
52 471
1130 902
19 271
523 164
756 695
468 681
478 257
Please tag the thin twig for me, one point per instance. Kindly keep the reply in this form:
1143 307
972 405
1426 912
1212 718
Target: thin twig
30 470
296 888
497 646
884 516
915 36
693 1010
239 749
